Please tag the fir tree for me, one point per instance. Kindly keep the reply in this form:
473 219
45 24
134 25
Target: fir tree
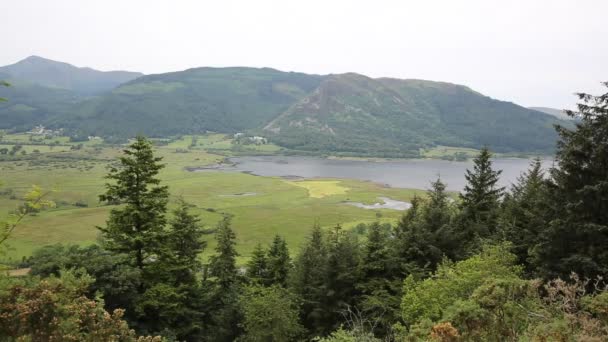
380 291
184 243
257 267
524 213
342 275
577 236
223 264
279 262
137 227
308 281
479 203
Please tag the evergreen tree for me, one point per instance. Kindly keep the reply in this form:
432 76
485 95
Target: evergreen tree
223 264
308 281
257 267
341 277
425 233
479 203
137 227
524 213
279 262
223 289
184 243
577 236
380 291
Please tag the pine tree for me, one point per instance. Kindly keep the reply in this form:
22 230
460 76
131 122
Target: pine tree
184 243
308 281
223 289
341 276
279 262
577 236
137 227
223 264
257 267
524 213
379 290
479 203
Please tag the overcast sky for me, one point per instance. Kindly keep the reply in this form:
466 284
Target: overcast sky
532 52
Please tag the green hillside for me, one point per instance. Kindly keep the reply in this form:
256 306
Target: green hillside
191 101
357 114
85 81
348 114
30 104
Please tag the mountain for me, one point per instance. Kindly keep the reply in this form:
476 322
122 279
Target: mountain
49 73
344 113
558 113
30 104
357 114
191 101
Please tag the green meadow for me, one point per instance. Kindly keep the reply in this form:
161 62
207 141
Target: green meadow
260 206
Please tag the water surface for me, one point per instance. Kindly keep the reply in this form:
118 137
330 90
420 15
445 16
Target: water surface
415 173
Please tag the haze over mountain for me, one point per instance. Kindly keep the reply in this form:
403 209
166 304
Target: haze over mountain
347 113
85 81
558 113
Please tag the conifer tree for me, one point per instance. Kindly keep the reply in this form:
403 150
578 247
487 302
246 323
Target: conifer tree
524 213
479 203
137 227
342 275
257 267
184 243
223 288
223 263
379 290
279 262
308 280
577 236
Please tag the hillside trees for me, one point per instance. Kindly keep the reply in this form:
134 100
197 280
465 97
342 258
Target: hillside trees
479 204
137 227
577 235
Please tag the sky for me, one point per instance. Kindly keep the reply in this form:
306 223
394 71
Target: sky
533 52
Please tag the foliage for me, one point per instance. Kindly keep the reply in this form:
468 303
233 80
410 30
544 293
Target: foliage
576 237
137 227
428 298
34 201
479 204
55 309
269 314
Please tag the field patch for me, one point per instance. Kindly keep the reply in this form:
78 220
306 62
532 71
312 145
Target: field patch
320 189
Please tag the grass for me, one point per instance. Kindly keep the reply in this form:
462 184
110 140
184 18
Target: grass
278 207
320 189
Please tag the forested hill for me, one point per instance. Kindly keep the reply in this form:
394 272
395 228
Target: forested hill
49 73
345 113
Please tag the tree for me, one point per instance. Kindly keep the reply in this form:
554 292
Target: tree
222 265
577 235
341 275
137 227
56 309
308 280
279 262
184 244
257 267
524 213
223 287
379 290
269 314
479 203
174 304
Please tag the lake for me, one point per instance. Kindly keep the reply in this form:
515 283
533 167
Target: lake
415 173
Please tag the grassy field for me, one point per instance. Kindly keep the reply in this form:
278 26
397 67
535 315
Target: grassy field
270 205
